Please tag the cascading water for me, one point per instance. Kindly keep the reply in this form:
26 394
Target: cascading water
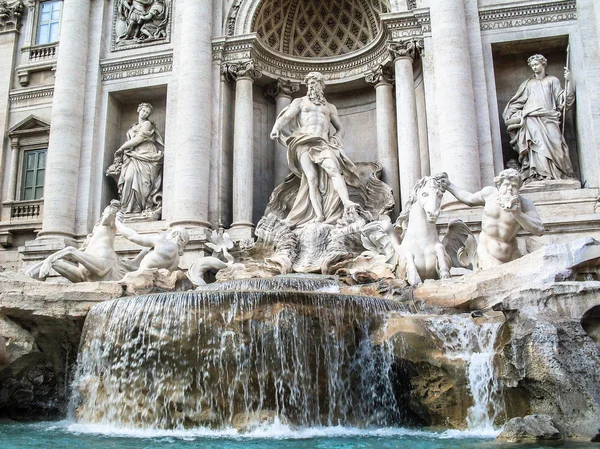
473 343
215 358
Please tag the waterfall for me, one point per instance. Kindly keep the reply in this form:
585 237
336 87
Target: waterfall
463 339
215 358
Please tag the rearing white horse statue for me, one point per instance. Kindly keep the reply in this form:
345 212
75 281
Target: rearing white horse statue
421 255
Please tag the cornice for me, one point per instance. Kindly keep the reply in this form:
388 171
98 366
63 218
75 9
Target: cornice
524 14
136 66
352 66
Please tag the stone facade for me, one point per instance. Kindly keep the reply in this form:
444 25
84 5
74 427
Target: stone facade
420 87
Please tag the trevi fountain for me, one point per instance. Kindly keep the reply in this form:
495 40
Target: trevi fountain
299 223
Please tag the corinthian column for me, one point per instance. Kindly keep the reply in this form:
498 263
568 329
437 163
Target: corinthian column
64 150
455 99
403 55
194 120
281 91
244 75
387 145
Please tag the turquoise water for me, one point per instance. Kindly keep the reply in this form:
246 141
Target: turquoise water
65 435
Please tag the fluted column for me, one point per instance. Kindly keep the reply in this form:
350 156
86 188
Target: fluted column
387 145
11 195
244 75
194 119
409 151
455 99
281 91
64 150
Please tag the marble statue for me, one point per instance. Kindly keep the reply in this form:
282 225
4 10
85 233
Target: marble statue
505 213
162 250
533 117
96 260
145 20
137 167
220 243
316 157
418 253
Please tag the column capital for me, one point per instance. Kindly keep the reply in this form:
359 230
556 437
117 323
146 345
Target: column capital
281 87
379 75
410 48
234 71
11 12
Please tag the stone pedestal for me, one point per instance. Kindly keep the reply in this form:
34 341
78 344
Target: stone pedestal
64 151
243 74
387 145
406 111
194 119
455 103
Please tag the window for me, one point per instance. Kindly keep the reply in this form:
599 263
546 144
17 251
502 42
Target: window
34 173
49 22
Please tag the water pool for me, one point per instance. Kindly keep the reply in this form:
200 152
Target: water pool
66 435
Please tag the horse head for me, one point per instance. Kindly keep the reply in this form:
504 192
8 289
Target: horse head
109 215
429 197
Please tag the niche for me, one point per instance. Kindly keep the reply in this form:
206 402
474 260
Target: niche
122 113
511 69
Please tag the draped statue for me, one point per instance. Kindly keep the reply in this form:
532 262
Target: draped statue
137 167
316 157
533 117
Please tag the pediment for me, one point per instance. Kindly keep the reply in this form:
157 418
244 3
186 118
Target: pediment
29 125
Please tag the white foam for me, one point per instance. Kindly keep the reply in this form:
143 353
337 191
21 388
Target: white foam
274 431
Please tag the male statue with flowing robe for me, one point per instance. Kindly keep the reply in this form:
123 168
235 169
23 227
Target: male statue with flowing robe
533 119
316 156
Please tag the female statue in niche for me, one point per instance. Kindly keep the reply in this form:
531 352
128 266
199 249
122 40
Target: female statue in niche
533 117
137 167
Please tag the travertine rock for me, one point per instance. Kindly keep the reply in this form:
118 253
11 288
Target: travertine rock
530 428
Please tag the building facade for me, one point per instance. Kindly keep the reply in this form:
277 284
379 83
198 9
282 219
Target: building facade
420 87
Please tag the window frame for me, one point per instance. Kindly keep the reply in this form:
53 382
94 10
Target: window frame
20 194
37 23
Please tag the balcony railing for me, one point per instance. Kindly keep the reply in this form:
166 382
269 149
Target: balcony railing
26 210
43 52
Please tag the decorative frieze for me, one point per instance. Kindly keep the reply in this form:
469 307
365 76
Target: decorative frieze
25 97
114 70
137 24
11 12
539 13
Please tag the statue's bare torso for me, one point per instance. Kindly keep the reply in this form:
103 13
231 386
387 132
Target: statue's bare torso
314 119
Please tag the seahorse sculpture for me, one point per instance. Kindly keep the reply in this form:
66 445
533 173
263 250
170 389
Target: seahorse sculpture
220 243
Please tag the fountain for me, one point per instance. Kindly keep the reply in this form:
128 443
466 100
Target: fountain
228 357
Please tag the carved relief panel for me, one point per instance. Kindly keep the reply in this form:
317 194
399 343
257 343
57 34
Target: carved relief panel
138 23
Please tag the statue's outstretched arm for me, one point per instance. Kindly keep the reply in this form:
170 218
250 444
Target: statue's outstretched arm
284 118
468 198
148 241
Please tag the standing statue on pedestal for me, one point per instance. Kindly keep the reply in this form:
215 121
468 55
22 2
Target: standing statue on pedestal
137 167
533 117
505 212
316 157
